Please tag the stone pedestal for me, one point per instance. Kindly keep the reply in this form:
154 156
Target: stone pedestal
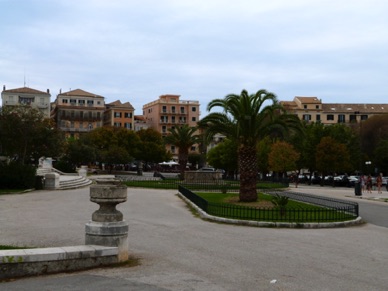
83 171
51 181
107 227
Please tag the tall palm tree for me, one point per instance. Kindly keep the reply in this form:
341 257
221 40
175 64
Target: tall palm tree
183 138
246 118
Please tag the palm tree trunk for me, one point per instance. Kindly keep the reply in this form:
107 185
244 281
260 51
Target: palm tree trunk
248 173
183 158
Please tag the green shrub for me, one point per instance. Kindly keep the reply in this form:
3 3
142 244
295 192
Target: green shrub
17 176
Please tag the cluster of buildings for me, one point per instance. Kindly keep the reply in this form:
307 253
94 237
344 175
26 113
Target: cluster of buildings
78 111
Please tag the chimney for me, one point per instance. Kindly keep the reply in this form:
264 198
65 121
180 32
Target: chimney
48 91
3 87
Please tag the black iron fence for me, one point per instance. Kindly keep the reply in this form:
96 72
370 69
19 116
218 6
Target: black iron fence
331 210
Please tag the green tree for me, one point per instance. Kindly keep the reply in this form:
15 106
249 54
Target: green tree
25 134
108 139
183 138
245 119
283 157
263 150
332 156
381 156
223 156
152 147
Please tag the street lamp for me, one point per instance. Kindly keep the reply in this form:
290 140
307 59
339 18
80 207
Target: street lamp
368 163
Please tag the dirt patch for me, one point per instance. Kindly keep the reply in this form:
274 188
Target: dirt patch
257 204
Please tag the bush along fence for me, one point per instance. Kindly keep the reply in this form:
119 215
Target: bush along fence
322 210
209 186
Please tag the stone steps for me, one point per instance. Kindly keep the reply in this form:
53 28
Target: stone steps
73 182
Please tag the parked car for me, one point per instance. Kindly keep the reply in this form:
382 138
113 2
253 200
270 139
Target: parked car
353 180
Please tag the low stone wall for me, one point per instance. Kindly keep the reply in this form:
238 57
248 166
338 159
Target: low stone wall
202 176
40 261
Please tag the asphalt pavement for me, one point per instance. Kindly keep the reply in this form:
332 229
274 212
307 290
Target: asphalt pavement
179 251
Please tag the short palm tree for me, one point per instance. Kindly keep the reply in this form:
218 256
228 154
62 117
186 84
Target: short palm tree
246 118
183 138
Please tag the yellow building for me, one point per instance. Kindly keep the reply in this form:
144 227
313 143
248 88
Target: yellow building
311 109
77 112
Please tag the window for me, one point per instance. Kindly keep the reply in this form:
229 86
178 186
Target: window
73 102
164 129
128 114
128 125
318 117
81 114
65 101
72 113
364 117
117 114
194 109
98 115
164 109
341 118
117 124
306 117
316 106
353 118
173 109
173 149
330 117
193 119
81 102
193 148
305 106
81 125
26 100
173 119
90 102
182 110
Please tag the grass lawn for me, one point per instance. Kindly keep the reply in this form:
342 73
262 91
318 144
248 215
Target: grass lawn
228 205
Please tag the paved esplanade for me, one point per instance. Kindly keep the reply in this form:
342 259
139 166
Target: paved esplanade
181 252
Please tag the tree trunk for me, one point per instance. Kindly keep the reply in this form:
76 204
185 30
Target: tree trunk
183 158
248 173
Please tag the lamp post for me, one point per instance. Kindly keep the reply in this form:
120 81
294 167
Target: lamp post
368 163
357 113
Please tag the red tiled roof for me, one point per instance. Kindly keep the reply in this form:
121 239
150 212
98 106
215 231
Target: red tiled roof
79 92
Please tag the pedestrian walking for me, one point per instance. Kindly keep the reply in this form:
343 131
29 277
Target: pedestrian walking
369 184
379 183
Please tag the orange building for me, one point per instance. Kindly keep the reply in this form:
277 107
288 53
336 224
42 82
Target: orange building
168 112
118 114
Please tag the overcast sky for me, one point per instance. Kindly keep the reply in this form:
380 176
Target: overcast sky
204 49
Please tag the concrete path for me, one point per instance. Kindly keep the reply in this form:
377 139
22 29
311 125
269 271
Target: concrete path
181 252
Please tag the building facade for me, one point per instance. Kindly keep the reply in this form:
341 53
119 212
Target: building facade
168 112
27 96
119 114
311 109
77 111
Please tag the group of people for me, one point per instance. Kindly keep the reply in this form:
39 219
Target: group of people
367 183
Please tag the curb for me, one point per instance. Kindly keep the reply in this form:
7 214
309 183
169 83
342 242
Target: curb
204 215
